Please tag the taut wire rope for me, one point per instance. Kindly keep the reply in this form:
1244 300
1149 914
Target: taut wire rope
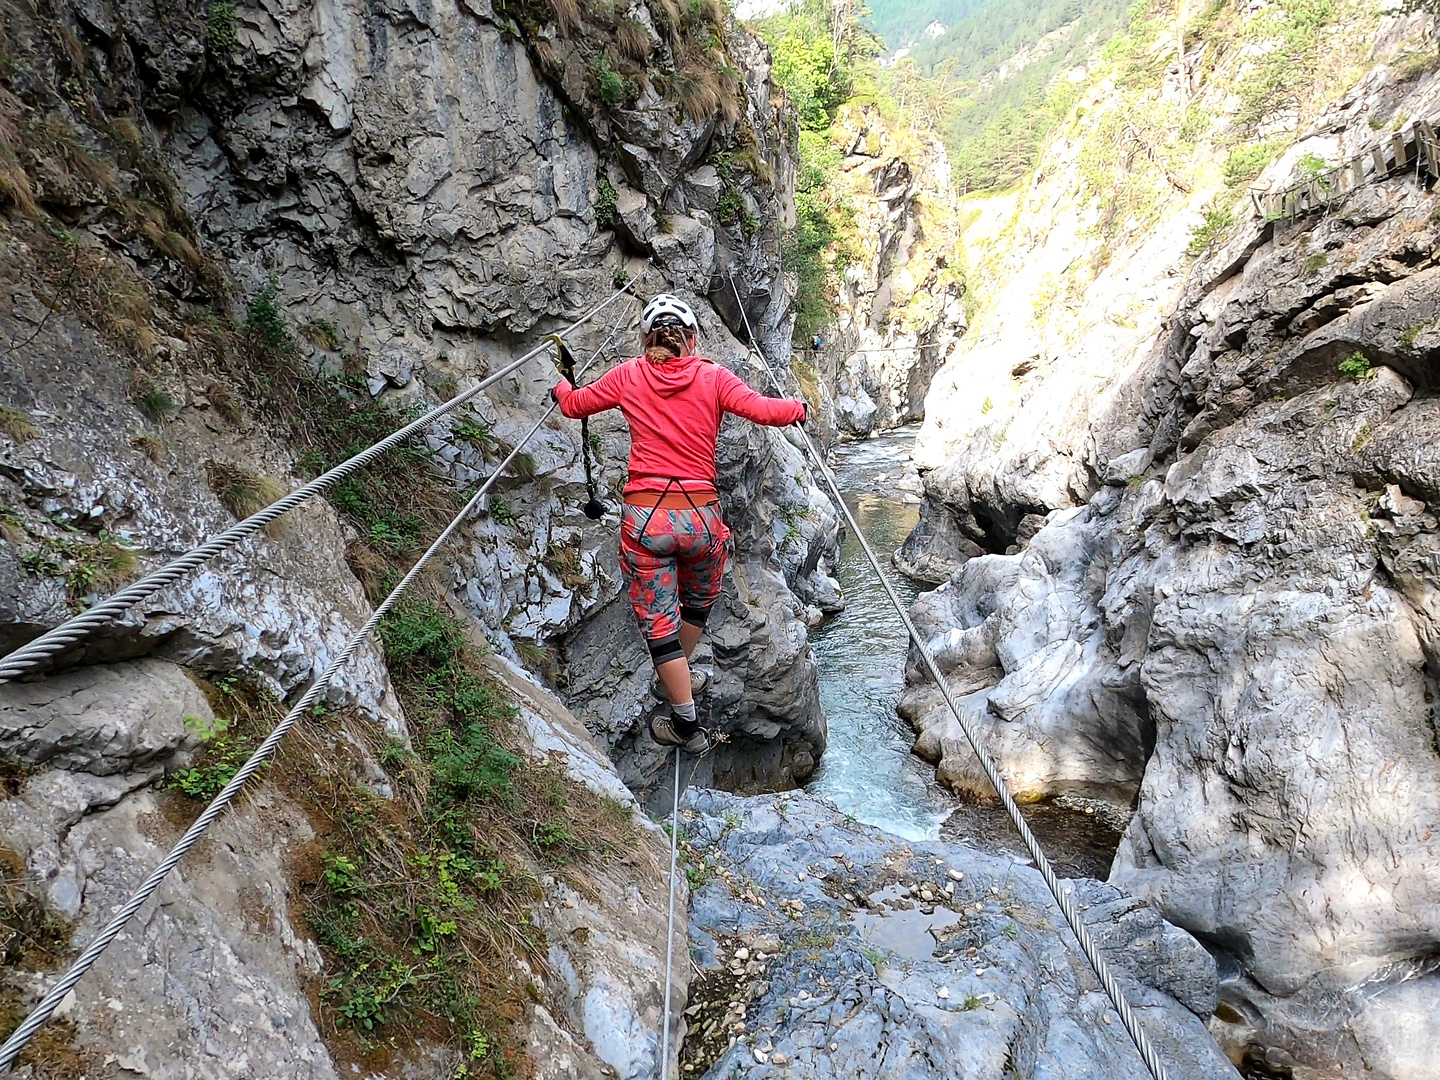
670 922
32 1023
987 762
72 630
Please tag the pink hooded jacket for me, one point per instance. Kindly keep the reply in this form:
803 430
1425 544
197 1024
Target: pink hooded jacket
674 409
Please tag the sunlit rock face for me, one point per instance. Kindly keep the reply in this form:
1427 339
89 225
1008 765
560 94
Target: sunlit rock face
1204 587
899 309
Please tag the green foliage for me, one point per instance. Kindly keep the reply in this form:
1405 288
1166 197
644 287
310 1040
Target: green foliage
805 65
994 131
154 404
1248 161
1312 166
1133 163
223 754
996 138
265 321
420 914
220 37
1285 76
420 638
730 209
605 202
476 432
1219 219
87 566
428 647
501 512
610 82
1356 367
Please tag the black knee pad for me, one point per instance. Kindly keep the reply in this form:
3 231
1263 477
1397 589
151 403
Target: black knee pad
695 616
665 650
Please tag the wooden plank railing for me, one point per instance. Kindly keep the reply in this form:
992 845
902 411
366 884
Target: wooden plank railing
1413 147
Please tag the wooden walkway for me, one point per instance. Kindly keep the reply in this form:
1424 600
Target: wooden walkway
1413 147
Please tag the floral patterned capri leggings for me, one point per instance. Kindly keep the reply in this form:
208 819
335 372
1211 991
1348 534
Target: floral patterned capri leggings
674 565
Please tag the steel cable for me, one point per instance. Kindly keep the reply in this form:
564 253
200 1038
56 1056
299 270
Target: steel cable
69 632
670 922
32 1023
987 763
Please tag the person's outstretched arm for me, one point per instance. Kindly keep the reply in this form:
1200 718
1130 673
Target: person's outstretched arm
737 398
604 393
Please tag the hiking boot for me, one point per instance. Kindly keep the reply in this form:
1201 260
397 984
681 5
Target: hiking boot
662 730
699 683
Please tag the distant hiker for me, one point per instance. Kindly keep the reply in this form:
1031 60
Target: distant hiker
817 343
673 541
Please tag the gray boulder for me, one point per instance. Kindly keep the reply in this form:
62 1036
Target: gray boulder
829 949
103 721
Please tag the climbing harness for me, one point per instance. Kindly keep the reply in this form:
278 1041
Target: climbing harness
565 361
72 630
12 1046
992 770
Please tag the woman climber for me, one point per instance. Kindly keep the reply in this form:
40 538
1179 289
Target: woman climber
673 541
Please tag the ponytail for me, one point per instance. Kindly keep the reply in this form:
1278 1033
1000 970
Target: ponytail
666 343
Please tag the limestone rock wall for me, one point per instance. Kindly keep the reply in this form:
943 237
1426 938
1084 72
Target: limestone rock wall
440 186
427 190
900 310
1220 611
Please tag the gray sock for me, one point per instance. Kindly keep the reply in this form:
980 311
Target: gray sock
686 723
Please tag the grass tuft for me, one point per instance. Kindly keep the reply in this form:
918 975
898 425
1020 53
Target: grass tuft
567 15
17 424
242 490
633 39
154 404
149 444
227 403
88 567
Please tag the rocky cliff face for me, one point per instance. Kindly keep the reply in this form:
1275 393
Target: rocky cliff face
401 198
1218 601
505 198
900 309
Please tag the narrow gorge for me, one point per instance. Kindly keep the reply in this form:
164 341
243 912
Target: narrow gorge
1116 330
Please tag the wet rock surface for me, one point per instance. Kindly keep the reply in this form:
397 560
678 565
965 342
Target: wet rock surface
827 948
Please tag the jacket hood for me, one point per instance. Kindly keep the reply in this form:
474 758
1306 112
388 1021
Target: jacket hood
671 377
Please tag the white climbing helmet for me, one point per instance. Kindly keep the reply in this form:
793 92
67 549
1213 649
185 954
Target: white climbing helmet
668 310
